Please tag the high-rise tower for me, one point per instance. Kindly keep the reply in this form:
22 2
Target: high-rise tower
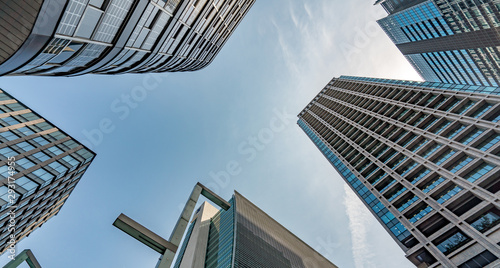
449 41
243 236
75 37
424 157
40 166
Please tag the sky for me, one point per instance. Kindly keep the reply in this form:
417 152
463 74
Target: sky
231 126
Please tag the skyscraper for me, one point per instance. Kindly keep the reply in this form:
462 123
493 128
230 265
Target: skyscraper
243 236
449 41
40 166
424 157
75 37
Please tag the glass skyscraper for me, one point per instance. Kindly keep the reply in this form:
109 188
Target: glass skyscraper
424 157
243 236
40 165
449 41
75 37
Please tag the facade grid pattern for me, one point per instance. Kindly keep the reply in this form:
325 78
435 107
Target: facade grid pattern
39 167
416 149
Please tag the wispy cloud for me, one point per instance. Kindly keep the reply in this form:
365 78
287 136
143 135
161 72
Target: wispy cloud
359 220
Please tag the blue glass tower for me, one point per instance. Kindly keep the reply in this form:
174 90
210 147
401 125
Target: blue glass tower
447 41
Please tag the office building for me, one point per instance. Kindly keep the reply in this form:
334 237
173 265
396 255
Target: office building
243 236
448 41
424 157
40 166
76 37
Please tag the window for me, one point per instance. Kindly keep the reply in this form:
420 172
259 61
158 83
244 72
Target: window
448 193
55 150
431 150
452 243
465 107
58 167
25 146
44 175
478 172
41 156
444 156
486 221
454 132
432 184
8 135
441 126
480 260
483 109
40 140
420 175
7 152
25 131
471 136
489 142
24 163
460 163
417 215
9 121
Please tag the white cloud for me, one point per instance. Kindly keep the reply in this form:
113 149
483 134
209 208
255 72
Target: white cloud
359 220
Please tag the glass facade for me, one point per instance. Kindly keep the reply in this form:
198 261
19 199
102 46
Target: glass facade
444 40
412 151
39 167
123 36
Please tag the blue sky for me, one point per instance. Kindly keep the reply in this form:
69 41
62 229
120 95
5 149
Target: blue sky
202 126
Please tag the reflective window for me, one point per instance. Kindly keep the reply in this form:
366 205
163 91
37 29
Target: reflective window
486 221
478 172
452 243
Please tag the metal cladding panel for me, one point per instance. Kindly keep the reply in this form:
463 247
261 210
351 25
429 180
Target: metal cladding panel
263 242
16 21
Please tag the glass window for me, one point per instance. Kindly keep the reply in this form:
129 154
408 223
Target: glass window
460 163
25 131
420 213
25 146
41 156
448 193
471 136
483 109
444 156
432 184
431 150
489 142
441 126
9 121
7 152
478 172
454 132
486 221
55 150
452 243
8 135
25 163
58 167
465 107
40 140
